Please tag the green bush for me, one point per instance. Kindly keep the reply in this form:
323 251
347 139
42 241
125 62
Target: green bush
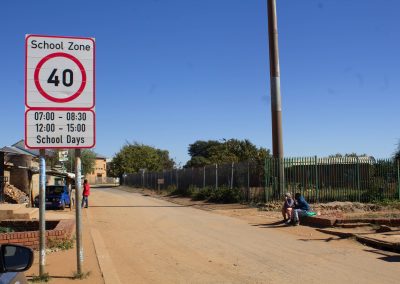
201 193
221 195
185 192
6 230
225 195
171 188
392 204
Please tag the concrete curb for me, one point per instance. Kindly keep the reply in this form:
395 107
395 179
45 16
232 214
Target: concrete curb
106 265
364 240
378 243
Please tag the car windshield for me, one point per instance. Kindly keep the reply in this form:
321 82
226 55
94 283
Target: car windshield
54 189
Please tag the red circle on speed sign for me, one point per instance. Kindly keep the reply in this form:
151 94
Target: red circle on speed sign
43 92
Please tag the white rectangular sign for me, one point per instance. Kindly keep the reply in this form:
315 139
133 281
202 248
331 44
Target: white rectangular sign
59 92
59 72
59 129
63 156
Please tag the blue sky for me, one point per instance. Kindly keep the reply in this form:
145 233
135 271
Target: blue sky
170 72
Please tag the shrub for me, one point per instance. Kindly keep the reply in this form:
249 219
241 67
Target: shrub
225 195
171 188
6 230
186 192
201 193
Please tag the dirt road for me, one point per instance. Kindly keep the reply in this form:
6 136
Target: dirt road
140 239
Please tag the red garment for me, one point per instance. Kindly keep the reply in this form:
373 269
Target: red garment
86 189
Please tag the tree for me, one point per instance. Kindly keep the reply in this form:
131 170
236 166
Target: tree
396 155
227 151
133 157
348 155
88 160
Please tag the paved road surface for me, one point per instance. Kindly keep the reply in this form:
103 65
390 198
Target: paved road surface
140 239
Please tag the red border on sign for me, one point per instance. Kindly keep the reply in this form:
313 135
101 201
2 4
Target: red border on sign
46 95
26 68
70 109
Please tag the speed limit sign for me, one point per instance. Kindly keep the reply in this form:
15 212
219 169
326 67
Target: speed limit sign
59 92
59 72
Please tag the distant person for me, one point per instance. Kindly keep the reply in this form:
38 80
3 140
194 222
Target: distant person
287 208
71 195
85 193
301 208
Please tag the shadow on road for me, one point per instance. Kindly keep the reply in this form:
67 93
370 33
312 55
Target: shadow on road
278 224
329 239
137 206
387 256
32 278
104 186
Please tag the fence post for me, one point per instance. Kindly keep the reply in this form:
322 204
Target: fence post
358 180
232 175
248 181
192 183
266 179
216 176
316 178
177 179
204 177
398 176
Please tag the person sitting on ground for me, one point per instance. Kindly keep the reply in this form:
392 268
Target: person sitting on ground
301 208
287 208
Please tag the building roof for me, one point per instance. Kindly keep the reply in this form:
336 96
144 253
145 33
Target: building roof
289 162
34 152
98 156
15 151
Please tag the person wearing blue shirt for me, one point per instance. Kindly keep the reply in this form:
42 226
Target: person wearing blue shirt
301 208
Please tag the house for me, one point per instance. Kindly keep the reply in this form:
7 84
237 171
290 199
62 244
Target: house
99 174
20 168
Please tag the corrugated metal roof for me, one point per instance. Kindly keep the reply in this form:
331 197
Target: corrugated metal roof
15 151
34 152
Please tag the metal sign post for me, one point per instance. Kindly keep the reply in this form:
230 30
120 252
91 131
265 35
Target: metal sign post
42 209
2 178
78 210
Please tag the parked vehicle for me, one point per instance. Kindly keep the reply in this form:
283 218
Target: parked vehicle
14 259
57 196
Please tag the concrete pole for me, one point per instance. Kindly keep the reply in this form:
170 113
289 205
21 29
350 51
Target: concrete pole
42 210
78 210
276 106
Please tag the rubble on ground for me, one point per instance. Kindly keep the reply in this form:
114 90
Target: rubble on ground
270 206
348 207
14 195
327 208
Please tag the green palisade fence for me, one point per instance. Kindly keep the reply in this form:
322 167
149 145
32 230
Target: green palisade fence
362 179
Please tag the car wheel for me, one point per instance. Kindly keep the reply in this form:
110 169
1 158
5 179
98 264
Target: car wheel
63 205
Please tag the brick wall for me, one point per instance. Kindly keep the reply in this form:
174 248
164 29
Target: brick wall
61 230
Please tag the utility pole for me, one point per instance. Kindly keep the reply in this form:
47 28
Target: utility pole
276 106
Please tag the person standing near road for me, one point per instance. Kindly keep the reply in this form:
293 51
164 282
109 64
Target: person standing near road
85 193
